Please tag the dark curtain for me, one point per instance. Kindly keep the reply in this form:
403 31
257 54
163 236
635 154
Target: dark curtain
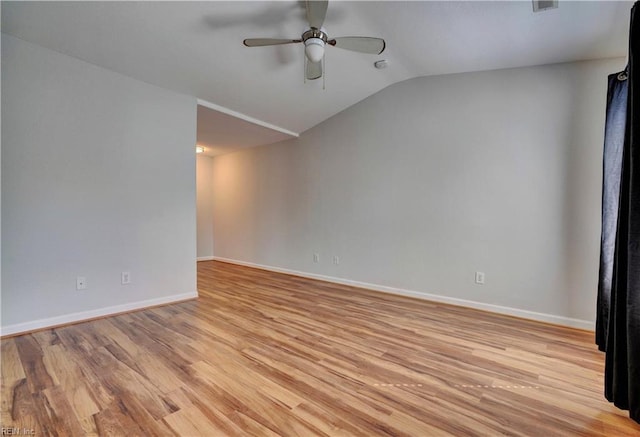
618 328
611 170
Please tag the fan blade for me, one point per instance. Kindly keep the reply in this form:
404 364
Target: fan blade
316 11
261 42
363 44
314 70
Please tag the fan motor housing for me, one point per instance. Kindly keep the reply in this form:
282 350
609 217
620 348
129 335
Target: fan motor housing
314 33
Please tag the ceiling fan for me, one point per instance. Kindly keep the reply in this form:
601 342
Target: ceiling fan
315 40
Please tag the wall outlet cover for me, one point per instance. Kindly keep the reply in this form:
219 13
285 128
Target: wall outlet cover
81 283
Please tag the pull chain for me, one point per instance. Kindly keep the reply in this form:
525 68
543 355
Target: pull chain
324 71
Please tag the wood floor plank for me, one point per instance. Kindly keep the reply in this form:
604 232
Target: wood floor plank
32 359
55 414
267 354
71 380
12 378
189 422
109 423
20 411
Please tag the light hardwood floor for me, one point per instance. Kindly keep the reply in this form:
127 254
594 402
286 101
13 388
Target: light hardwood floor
267 354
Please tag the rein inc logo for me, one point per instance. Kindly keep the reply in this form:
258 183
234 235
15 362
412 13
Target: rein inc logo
18 431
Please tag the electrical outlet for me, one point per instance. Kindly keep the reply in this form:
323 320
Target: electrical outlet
81 283
336 259
126 278
316 257
480 278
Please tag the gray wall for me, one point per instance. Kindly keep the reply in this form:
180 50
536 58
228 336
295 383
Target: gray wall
432 179
204 195
98 177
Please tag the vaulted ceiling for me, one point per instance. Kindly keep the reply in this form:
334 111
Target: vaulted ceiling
196 47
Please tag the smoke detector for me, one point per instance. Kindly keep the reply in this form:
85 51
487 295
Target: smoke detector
544 5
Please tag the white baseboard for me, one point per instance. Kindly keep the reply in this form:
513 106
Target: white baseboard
66 319
531 315
205 258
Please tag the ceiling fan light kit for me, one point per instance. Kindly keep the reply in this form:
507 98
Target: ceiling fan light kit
314 49
315 40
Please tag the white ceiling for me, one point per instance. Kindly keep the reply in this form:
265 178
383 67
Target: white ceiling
196 48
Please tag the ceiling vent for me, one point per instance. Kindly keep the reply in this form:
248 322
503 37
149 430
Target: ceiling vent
543 5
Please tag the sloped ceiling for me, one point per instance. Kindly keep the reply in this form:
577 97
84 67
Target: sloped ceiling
196 47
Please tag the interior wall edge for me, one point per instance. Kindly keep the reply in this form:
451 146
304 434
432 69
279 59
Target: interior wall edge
509 311
247 118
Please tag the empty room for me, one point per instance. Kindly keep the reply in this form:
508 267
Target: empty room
320 218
